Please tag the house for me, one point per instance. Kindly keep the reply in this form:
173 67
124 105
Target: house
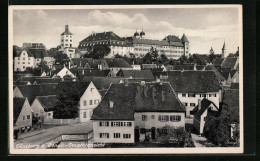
28 79
230 63
135 74
191 86
149 66
217 62
85 63
47 80
114 65
61 72
31 91
201 112
24 59
136 67
189 67
22 114
230 76
234 86
88 94
80 73
43 106
130 111
218 74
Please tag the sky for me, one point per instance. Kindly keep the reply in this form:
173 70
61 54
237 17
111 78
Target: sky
204 27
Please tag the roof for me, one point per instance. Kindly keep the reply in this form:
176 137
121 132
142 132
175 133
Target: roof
134 97
31 91
47 80
234 85
17 107
226 72
188 67
106 38
27 51
163 42
85 62
30 79
47 102
80 87
184 38
117 63
205 103
101 83
80 73
66 32
230 98
203 58
218 74
194 81
149 66
217 62
172 38
136 74
229 62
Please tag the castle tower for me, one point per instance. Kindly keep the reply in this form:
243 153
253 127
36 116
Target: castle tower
211 51
66 38
185 42
142 34
136 34
224 51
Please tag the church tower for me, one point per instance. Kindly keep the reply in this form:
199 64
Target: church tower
224 51
186 44
211 51
142 34
66 38
136 34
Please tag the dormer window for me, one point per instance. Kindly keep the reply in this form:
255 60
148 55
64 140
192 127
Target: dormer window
111 104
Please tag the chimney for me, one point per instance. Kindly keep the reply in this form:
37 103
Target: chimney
195 68
69 64
111 104
158 79
83 72
199 104
142 83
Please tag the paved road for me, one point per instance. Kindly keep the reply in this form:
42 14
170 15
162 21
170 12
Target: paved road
198 141
54 132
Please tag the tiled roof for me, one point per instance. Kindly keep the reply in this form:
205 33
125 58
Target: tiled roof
105 38
234 86
217 62
194 81
47 80
47 102
204 106
78 86
151 97
80 73
156 42
172 38
188 67
28 52
30 79
17 107
136 74
218 74
226 72
31 91
117 63
229 62
101 83
230 98
81 62
184 38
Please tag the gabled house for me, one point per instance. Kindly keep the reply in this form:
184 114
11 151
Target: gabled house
114 65
31 91
88 94
230 63
192 86
135 74
22 114
80 73
189 67
60 73
47 80
43 106
201 112
23 60
130 112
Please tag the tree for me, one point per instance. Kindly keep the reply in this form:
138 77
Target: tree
163 59
98 51
172 134
44 67
61 58
68 102
118 56
35 71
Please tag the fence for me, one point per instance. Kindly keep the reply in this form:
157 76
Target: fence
60 121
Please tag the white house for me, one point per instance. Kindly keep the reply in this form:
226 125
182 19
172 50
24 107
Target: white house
22 114
23 60
192 86
60 73
89 97
129 114
202 111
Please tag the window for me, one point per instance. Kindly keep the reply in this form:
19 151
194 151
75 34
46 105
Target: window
152 116
126 136
116 135
215 95
210 95
84 103
192 104
18 62
175 118
90 102
185 103
29 58
23 58
96 102
90 113
84 114
184 95
144 118
23 62
104 135
18 58
28 62
28 117
49 114
104 123
163 118
203 95
129 124
191 95
23 117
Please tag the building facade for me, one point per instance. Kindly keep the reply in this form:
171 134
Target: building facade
23 60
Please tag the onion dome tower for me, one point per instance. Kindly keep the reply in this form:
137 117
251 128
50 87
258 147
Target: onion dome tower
142 34
136 34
